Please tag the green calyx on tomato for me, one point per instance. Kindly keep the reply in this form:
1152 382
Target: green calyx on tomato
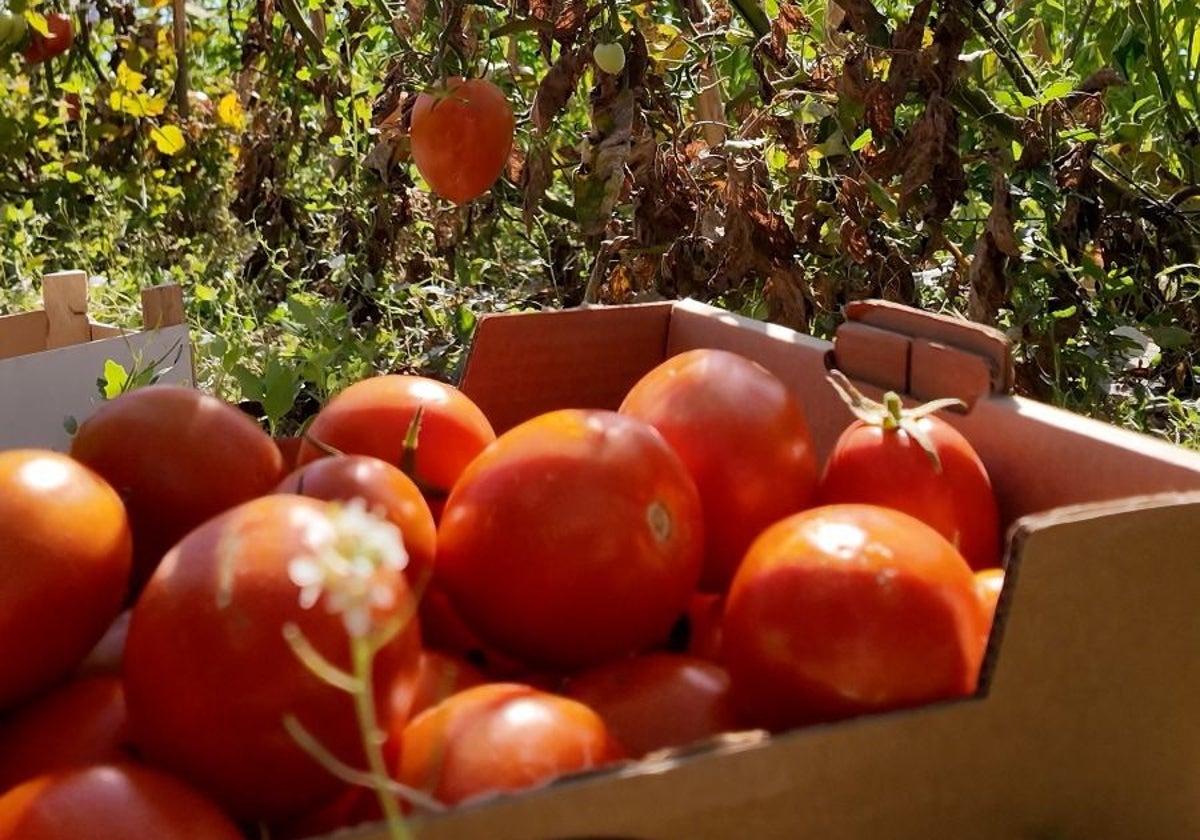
891 415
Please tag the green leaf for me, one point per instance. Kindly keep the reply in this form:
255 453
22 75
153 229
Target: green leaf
1170 337
862 140
114 380
168 139
1057 91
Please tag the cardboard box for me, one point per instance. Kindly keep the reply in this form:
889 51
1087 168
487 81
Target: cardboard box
51 358
1087 724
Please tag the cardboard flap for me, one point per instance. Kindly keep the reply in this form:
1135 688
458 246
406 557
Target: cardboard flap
524 363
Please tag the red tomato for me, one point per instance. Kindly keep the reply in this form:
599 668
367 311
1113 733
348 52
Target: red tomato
743 437
177 456
500 737
111 802
657 700
289 449
83 722
461 136
105 658
58 41
443 629
386 490
65 550
438 676
879 461
704 615
849 609
372 417
575 537
209 675
989 583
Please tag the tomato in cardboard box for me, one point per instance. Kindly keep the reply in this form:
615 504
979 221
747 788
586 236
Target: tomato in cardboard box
1085 723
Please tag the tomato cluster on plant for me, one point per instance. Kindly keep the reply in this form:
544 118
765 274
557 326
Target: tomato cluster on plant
587 587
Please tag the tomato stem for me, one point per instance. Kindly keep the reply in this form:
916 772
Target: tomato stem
363 654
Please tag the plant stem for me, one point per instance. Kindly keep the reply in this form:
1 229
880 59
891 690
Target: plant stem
364 706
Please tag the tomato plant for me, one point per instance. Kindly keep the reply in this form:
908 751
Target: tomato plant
848 609
210 675
373 417
460 136
657 700
744 439
913 461
60 34
385 489
65 548
576 536
500 737
81 722
113 802
177 456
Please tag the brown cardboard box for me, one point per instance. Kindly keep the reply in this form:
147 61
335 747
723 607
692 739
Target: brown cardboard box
50 358
1087 725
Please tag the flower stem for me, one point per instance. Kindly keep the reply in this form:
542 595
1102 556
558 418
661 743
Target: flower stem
363 654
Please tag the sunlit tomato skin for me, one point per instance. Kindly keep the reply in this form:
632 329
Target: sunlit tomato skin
989 583
210 676
80 723
58 41
850 609
65 549
500 737
888 467
743 437
575 537
438 676
657 700
385 489
461 136
111 802
177 456
372 417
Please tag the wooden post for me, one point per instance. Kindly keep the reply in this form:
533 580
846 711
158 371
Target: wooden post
64 297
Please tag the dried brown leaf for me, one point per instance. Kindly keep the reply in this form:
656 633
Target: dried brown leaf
535 179
556 88
603 154
987 285
1000 221
785 292
1101 80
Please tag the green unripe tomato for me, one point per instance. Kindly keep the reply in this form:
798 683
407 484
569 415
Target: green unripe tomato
609 57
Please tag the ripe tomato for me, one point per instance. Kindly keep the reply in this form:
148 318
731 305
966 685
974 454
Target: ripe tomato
704 614
82 722
989 583
42 47
385 489
849 609
575 537
500 737
209 675
111 802
438 676
919 464
372 417
744 439
443 629
65 549
177 456
657 700
104 659
461 136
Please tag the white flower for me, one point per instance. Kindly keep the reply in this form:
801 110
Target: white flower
355 571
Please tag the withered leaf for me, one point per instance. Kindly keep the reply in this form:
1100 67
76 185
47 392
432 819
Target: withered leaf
535 179
556 88
987 286
931 158
1000 220
603 154
785 294
855 241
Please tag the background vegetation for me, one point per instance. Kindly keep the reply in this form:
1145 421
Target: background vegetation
1030 164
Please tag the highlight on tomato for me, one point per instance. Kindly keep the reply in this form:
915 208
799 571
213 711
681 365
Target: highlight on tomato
913 461
500 737
65 549
460 137
844 610
575 537
744 439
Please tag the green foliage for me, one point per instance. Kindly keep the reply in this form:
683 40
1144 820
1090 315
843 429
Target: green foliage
1029 165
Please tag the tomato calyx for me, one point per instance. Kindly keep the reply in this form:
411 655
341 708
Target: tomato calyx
890 415
408 458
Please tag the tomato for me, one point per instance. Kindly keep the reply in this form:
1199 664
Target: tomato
743 437
289 449
575 537
704 615
500 737
385 489
59 39
849 609
657 700
105 658
177 456
989 583
461 136
209 675
438 676
442 629
82 722
111 802
65 549
917 463
372 417
609 57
